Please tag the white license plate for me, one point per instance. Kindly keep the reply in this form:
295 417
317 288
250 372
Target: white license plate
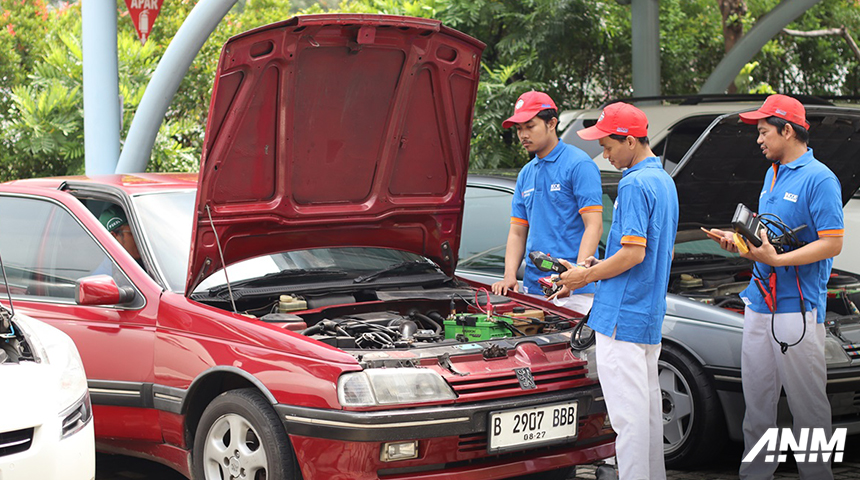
534 425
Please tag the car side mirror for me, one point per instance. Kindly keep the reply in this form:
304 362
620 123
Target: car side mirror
101 290
521 272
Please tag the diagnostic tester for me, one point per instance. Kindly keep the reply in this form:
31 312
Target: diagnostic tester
748 225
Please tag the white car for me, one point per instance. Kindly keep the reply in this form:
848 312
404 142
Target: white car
675 123
46 426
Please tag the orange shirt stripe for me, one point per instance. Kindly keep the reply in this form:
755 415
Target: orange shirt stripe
773 182
633 240
519 221
831 233
591 208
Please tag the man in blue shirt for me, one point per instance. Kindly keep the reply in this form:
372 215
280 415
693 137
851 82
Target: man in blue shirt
783 346
630 301
557 205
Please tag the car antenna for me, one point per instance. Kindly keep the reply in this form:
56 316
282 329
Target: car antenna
5 322
221 253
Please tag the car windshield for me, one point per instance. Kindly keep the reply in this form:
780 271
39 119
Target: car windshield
166 219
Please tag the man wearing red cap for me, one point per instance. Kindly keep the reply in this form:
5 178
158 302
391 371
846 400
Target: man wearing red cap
558 201
783 346
630 301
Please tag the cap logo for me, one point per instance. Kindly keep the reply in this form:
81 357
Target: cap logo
519 104
546 105
113 223
602 114
781 112
622 130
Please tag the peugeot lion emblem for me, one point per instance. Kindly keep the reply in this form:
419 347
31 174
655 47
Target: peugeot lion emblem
527 381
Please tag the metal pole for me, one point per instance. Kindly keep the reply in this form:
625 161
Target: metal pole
751 43
646 47
193 33
101 86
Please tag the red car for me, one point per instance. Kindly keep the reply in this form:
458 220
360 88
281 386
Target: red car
342 347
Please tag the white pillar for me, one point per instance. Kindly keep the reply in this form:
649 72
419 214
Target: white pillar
101 87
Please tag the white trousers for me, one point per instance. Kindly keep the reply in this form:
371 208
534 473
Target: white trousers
579 303
802 372
628 377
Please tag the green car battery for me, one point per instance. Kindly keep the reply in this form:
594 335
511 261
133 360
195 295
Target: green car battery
476 327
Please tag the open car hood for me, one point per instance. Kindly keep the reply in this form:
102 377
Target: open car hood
336 130
726 167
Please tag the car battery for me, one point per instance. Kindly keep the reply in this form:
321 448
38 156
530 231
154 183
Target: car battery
476 327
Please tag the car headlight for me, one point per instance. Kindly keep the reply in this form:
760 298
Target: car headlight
55 348
392 386
834 354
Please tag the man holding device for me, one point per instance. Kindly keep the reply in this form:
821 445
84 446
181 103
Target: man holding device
783 339
630 301
557 204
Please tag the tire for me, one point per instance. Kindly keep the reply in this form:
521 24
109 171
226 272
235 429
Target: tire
240 434
694 430
560 474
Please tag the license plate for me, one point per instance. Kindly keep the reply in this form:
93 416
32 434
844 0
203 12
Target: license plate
535 425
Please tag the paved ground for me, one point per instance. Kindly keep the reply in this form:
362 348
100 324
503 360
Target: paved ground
725 467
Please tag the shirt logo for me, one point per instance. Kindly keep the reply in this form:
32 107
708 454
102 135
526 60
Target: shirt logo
528 192
762 193
791 197
615 205
555 187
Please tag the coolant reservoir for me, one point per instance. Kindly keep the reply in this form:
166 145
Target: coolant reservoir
289 303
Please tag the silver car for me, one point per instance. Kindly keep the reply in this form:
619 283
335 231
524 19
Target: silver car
702 331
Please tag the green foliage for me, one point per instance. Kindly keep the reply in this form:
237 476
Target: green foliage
578 51
811 65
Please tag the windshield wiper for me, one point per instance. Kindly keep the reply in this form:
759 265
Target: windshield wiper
400 268
278 277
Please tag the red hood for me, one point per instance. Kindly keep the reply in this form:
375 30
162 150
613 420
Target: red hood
337 130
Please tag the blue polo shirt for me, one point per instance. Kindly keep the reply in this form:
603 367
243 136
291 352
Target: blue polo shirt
550 197
646 213
803 192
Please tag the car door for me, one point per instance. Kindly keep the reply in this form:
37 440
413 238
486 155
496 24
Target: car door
45 249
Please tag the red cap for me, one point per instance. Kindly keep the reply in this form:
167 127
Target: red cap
617 119
527 106
782 106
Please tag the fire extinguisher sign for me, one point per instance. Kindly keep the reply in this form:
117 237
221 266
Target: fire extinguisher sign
143 14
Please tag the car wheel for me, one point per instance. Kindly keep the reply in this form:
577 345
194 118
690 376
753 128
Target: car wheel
694 430
240 436
560 474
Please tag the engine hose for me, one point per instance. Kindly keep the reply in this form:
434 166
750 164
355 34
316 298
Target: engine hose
312 330
577 341
428 319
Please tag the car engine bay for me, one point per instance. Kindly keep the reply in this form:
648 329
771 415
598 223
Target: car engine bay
376 319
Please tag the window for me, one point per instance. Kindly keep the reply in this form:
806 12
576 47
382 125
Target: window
485 230
45 250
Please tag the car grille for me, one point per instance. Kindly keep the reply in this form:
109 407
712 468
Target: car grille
478 387
852 349
15 442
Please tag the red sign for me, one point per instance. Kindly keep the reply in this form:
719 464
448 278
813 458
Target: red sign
143 14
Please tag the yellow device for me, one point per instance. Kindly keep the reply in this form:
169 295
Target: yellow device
740 243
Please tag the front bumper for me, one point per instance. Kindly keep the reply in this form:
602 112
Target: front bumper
51 458
452 439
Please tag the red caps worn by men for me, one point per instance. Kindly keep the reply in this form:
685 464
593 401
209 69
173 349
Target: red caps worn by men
781 106
527 106
617 119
